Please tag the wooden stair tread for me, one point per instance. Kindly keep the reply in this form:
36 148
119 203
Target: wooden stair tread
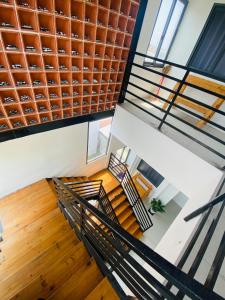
23 280
80 284
138 234
118 200
125 214
103 291
109 181
31 241
133 227
123 206
52 186
32 202
57 275
116 191
63 179
131 219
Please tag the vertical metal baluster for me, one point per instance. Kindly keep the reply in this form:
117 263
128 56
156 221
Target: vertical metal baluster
174 99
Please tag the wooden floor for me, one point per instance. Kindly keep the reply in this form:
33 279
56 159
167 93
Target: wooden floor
40 256
109 181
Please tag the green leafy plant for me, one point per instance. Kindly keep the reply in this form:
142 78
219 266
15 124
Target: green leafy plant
157 206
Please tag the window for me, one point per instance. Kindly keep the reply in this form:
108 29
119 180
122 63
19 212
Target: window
209 53
149 173
166 25
122 154
98 138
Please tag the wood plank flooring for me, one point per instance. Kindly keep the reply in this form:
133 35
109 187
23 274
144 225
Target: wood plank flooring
40 256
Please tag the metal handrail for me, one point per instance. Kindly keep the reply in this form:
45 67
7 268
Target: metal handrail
94 190
175 65
131 191
111 253
112 156
205 207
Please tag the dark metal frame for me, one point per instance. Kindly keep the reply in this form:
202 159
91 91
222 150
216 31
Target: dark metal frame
133 46
172 104
111 248
120 172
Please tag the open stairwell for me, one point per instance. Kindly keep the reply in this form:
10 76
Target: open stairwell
119 202
124 211
118 199
41 256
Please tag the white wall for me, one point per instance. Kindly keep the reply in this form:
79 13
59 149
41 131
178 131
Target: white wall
60 152
190 174
168 193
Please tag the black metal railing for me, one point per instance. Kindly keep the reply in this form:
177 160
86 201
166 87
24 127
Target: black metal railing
144 272
88 189
210 231
119 170
94 190
133 89
205 207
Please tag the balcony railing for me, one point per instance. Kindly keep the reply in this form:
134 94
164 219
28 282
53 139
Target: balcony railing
177 98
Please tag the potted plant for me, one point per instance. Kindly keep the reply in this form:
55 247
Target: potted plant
156 206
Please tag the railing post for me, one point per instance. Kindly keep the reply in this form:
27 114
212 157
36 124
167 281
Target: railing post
133 47
82 213
174 98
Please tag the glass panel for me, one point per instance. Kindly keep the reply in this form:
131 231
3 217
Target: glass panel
119 153
122 154
169 16
98 138
125 154
171 30
159 26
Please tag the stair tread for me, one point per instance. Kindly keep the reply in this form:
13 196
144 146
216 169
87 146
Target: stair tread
118 200
138 234
133 227
116 191
131 219
31 241
109 181
30 279
32 202
125 214
80 284
57 275
119 209
102 291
